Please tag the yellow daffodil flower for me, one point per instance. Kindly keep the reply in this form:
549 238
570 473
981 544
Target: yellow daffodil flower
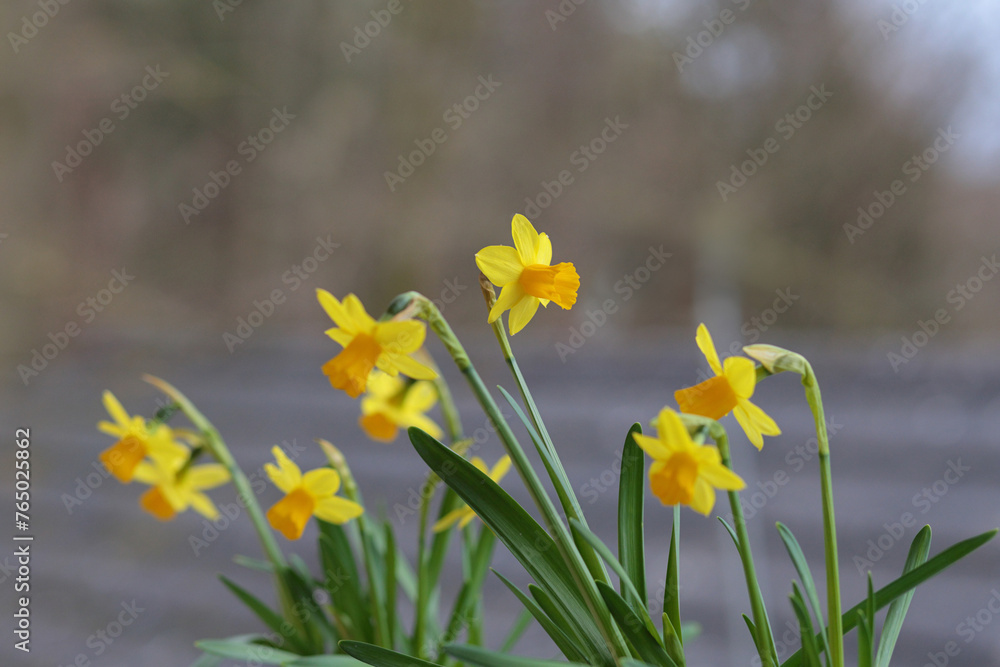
729 391
393 403
137 439
174 490
369 344
464 514
684 472
525 275
306 495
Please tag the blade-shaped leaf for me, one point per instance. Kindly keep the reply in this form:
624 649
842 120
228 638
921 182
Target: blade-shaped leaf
271 618
631 488
919 549
809 646
516 630
475 655
671 584
324 661
805 576
381 657
645 643
551 627
242 648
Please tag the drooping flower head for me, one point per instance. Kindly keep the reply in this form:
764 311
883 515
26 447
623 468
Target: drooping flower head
306 495
137 440
173 489
684 472
729 391
393 403
369 344
525 274
464 514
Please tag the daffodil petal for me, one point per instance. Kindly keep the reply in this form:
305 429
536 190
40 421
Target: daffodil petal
510 295
286 475
652 446
522 312
500 264
411 367
147 473
742 375
721 477
500 469
321 482
525 239
356 311
449 519
479 464
420 397
704 497
336 310
707 347
427 425
337 510
751 430
341 336
402 337
673 434
544 253
761 420
115 409
207 476
469 516
203 505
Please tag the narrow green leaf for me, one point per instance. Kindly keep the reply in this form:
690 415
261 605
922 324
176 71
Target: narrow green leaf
271 618
632 662
516 631
253 563
805 576
342 582
809 646
631 491
470 593
553 611
908 582
390 582
207 660
672 642
752 628
527 541
645 643
324 661
381 657
866 628
241 648
671 584
482 657
919 549
551 627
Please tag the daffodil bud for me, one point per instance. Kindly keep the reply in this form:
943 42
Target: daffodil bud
777 359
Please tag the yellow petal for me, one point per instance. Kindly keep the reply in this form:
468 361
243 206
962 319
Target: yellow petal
522 312
427 425
379 427
340 336
349 370
500 264
420 397
321 482
290 514
707 347
721 477
115 409
713 398
147 473
704 497
408 366
510 295
469 516
203 505
336 310
156 503
500 469
122 457
338 510
383 386
400 337
286 476
525 239
652 446
449 519
544 254
673 434
742 375
753 433
357 313
207 476
479 464
558 283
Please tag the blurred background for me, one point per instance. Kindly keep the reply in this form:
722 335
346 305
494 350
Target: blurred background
178 178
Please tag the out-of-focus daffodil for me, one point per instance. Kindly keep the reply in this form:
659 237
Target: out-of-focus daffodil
137 439
684 472
369 344
174 489
525 274
306 495
464 514
730 390
393 403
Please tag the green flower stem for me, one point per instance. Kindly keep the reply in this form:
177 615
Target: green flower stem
835 624
765 640
351 492
452 419
557 473
417 305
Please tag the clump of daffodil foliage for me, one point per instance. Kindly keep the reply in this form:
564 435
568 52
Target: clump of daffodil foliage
350 614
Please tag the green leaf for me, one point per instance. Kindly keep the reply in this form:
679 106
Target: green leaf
381 657
520 625
919 549
390 581
342 582
475 655
631 488
470 593
271 618
632 662
527 541
324 661
645 643
206 660
672 642
866 628
552 627
805 627
253 563
671 584
753 630
805 576
908 582
242 648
